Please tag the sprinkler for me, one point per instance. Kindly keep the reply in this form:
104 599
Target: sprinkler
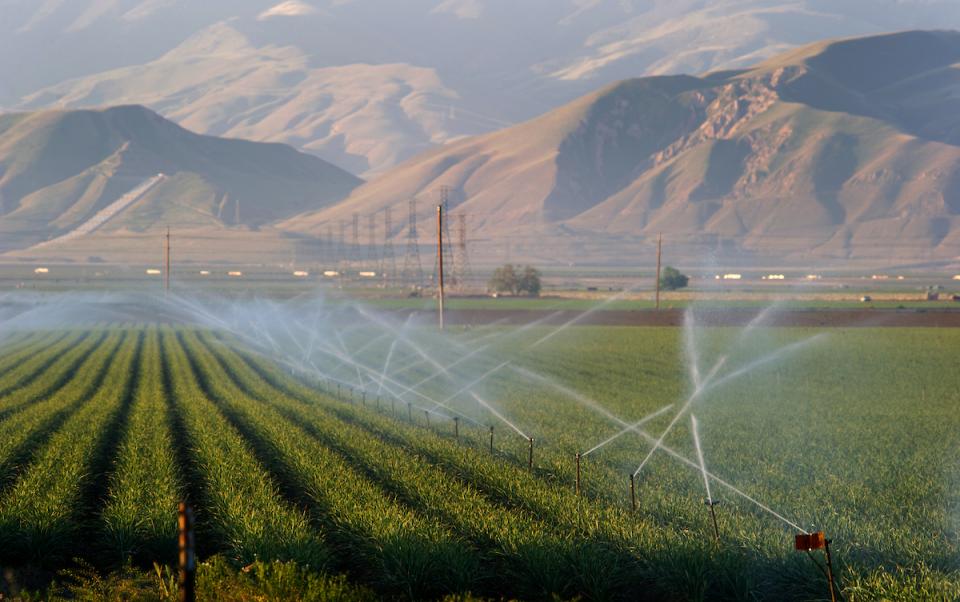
530 457
410 412
363 399
491 439
712 504
633 494
806 542
393 406
378 403
456 427
577 487
426 415
338 392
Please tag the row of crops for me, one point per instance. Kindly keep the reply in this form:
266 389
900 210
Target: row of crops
104 430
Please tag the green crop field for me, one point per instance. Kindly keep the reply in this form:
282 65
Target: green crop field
337 484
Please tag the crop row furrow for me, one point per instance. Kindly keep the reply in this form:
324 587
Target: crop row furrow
529 558
384 542
46 372
139 517
41 516
240 504
25 347
45 410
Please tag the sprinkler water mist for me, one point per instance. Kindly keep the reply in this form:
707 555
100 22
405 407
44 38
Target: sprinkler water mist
633 494
577 486
807 542
530 457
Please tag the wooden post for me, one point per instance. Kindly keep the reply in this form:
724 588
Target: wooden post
440 262
659 249
187 557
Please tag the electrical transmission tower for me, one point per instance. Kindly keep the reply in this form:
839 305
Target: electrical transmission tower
412 274
461 264
342 248
330 256
388 263
355 242
445 224
372 255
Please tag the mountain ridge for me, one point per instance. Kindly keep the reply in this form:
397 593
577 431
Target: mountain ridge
783 159
59 168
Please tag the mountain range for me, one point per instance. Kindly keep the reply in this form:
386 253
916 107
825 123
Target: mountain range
846 149
137 172
366 84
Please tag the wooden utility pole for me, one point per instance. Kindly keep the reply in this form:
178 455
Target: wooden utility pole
440 261
659 252
166 261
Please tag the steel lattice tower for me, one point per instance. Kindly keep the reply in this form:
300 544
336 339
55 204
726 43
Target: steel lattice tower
355 242
388 262
461 265
372 256
412 274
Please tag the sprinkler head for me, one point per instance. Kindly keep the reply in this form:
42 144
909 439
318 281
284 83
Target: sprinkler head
710 503
805 542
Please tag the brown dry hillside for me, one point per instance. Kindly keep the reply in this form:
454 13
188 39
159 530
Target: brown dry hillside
845 149
58 169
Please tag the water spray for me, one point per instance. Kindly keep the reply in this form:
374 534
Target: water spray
577 487
710 502
807 542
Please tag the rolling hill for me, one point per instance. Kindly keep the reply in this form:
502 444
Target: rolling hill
88 173
844 150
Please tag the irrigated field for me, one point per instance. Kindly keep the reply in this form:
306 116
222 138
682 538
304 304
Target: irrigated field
855 432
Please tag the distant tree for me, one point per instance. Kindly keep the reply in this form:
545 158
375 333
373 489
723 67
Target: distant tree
507 279
671 279
530 282
504 280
